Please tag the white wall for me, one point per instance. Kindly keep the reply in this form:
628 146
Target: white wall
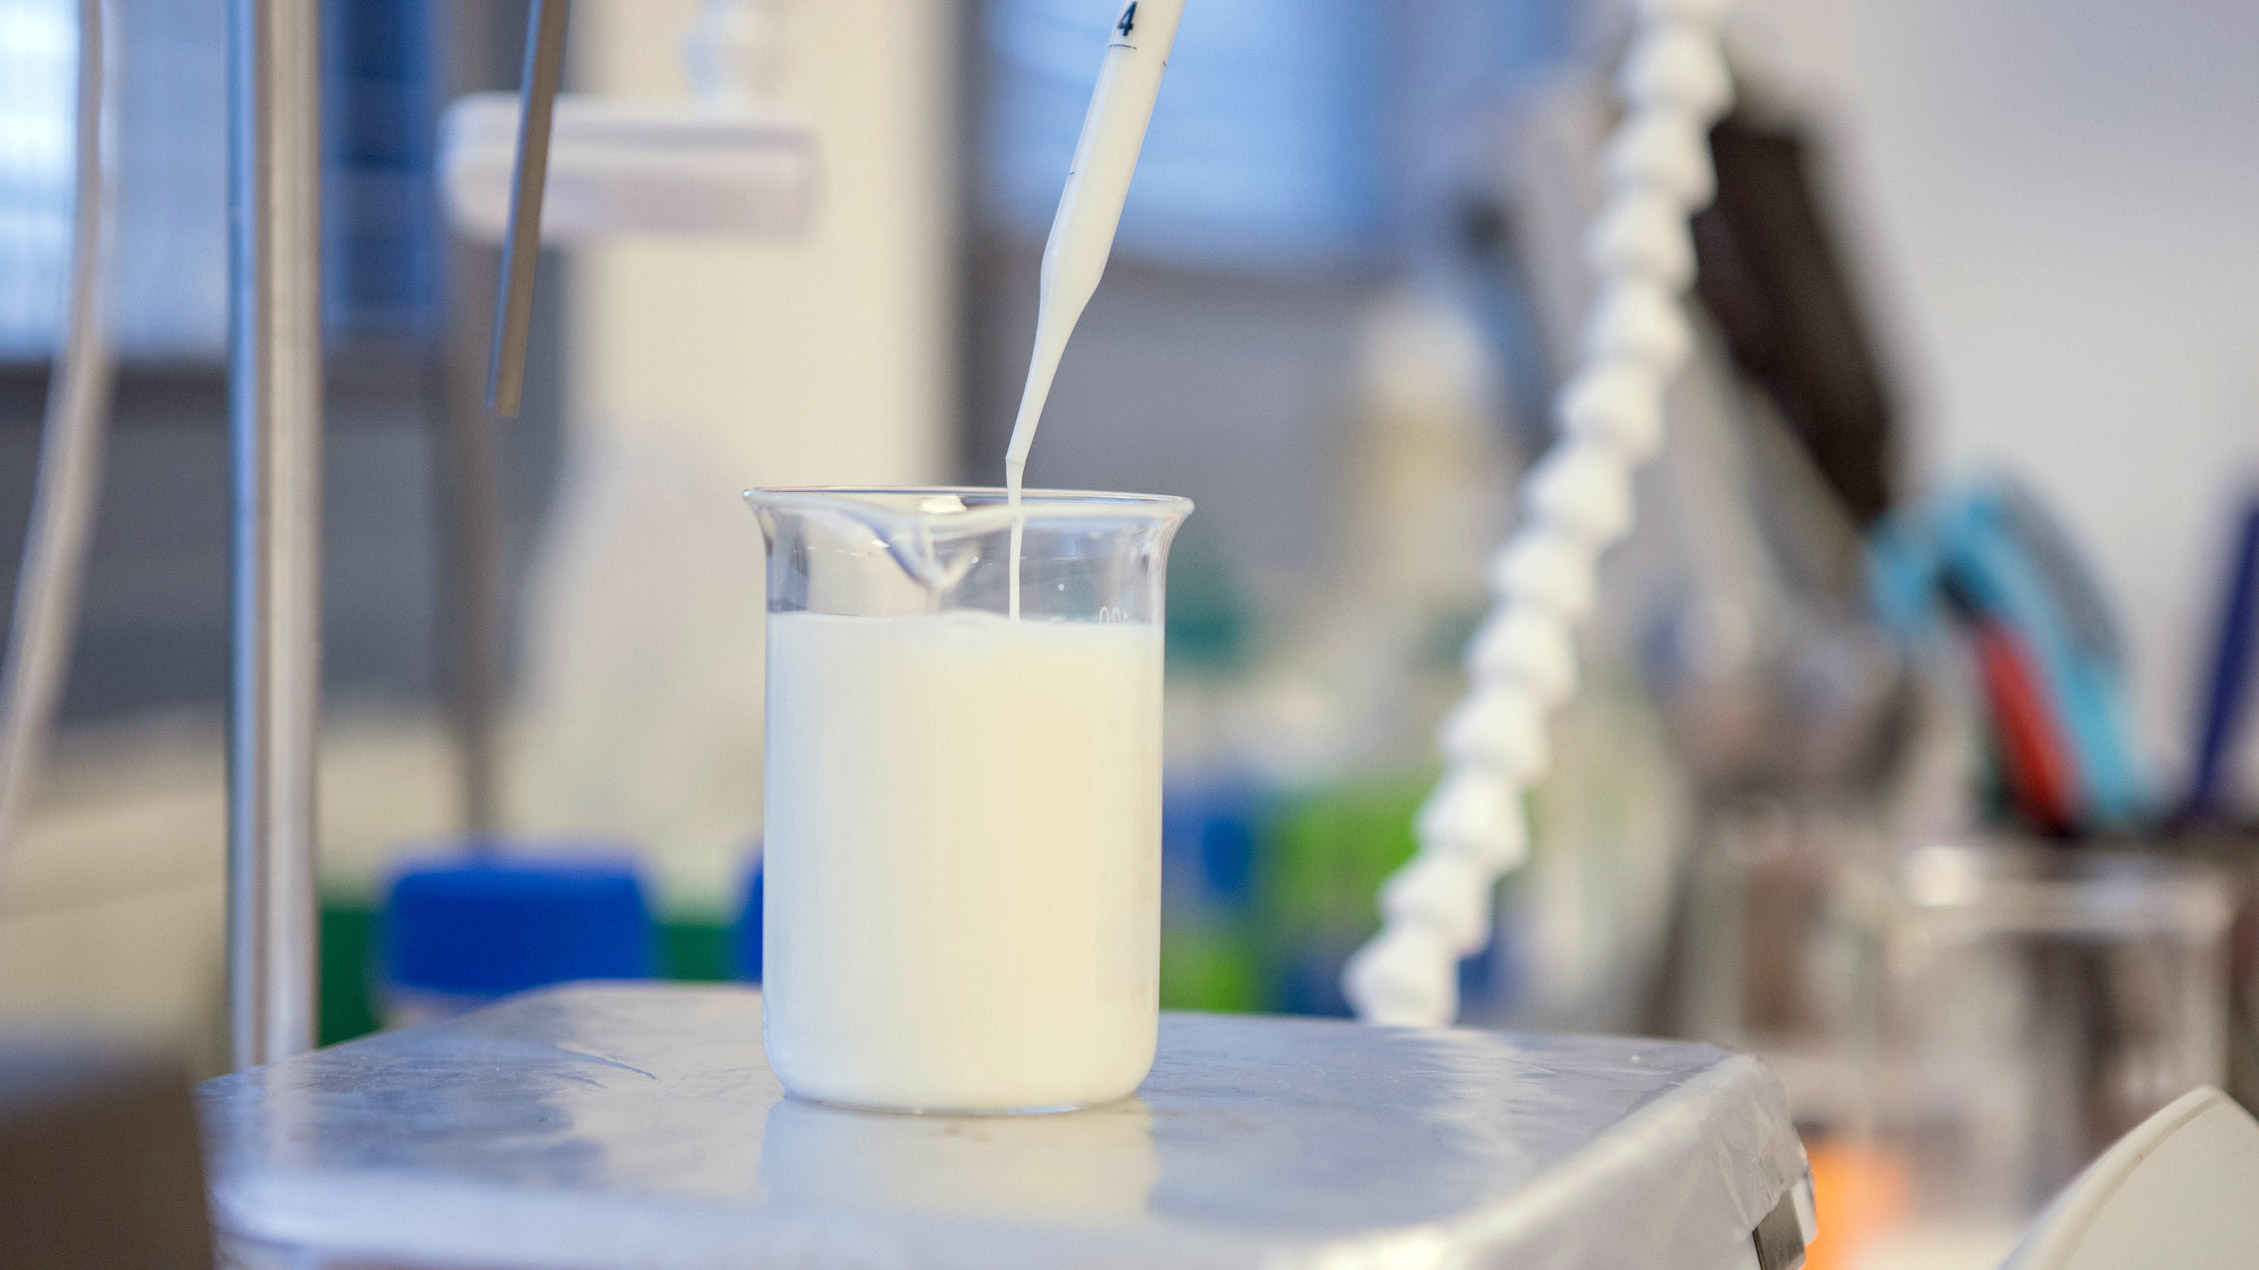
827 359
700 368
2061 205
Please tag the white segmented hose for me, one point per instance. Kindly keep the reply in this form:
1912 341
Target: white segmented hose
1522 663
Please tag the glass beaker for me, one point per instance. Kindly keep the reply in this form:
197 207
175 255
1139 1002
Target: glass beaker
2032 1003
962 838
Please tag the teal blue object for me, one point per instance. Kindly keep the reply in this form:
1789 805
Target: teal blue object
1980 537
2088 692
1905 569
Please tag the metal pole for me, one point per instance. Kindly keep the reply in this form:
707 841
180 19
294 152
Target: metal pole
275 432
471 566
477 49
72 436
521 242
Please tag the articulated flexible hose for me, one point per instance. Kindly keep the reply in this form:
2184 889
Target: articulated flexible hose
70 460
1522 663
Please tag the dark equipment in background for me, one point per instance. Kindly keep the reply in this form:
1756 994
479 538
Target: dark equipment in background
100 1168
2224 703
1770 273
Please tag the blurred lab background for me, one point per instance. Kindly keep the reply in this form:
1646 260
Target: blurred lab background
1905 752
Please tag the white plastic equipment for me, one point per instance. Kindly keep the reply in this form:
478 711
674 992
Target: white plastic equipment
628 167
731 162
1090 208
1578 500
2180 1191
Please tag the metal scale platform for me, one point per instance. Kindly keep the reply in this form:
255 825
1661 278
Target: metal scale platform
608 1126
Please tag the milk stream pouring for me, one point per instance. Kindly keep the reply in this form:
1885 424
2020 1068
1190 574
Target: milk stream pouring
962 848
1090 210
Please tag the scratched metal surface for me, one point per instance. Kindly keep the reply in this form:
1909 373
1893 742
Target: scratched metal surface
603 1126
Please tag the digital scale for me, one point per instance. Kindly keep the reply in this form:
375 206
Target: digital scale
610 1126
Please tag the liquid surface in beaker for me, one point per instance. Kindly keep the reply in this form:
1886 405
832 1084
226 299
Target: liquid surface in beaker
962 859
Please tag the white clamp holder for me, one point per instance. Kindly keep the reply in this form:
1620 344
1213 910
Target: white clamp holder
731 162
1522 663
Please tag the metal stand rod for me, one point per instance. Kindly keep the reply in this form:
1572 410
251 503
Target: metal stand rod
479 49
275 434
521 243
473 602
73 435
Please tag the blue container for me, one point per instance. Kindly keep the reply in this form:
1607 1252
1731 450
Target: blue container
745 936
460 932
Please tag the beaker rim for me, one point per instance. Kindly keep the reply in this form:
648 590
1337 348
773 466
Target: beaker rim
991 510
2006 885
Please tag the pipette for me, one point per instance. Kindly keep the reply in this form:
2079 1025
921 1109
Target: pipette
1090 209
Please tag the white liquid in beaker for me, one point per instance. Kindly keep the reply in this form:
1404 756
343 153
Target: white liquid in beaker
962 860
